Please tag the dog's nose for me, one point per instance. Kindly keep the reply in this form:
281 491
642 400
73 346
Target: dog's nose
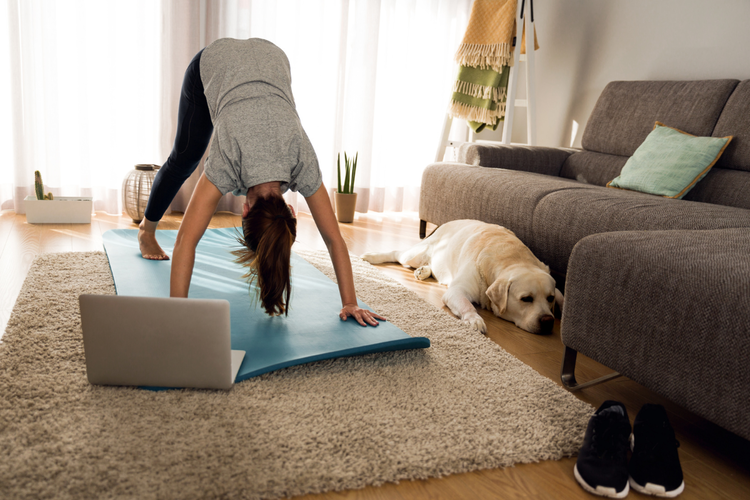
546 323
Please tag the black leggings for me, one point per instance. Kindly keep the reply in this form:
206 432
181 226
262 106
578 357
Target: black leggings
194 128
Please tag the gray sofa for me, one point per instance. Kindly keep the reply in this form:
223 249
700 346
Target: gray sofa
657 289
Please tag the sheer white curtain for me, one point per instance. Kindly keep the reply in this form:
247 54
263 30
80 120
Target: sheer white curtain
6 119
79 78
372 76
93 87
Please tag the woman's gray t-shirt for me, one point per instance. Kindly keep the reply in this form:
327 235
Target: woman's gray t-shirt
258 136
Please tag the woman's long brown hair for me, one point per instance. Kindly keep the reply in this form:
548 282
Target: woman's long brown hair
268 232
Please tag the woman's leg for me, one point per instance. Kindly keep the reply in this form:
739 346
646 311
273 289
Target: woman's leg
194 128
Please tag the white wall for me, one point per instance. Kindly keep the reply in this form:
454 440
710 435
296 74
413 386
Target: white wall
584 44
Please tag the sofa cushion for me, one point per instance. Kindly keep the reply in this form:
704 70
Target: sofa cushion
667 309
626 111
452 191
565 216
669 162
723 186
735 121
593 168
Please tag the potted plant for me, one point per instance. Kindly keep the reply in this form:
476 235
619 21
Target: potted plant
47 209
346 198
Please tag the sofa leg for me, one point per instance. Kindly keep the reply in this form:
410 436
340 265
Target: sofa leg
422 228
568 373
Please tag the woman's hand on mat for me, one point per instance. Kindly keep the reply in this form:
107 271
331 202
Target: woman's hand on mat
363 316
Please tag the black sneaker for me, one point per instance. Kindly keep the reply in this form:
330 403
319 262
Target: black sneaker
655 466
602 464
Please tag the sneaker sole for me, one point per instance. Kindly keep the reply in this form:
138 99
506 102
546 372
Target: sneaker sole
656 490
600 490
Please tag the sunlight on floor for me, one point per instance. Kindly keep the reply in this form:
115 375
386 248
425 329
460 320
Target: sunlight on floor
387 216
73 234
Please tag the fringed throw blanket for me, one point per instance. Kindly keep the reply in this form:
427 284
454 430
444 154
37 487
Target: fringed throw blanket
479 96
485 56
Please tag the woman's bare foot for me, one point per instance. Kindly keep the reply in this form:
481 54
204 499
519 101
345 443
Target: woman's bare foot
150 249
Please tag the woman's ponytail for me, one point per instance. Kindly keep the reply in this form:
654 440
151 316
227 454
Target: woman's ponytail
269 231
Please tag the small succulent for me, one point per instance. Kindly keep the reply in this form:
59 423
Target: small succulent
39 187
350 167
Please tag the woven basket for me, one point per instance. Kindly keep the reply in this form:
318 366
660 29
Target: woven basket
136 187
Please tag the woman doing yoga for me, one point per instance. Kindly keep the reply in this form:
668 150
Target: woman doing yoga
240 90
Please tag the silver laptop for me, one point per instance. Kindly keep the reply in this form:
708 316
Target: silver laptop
158 342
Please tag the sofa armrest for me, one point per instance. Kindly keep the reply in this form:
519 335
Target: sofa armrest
667 309
536 159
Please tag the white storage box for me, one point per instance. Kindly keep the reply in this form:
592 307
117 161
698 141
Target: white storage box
62 210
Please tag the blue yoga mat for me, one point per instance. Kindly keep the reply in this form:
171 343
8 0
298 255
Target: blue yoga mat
311 332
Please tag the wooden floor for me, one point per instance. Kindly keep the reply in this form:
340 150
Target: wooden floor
715 462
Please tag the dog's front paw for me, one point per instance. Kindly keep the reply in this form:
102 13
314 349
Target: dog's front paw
423 273
476 322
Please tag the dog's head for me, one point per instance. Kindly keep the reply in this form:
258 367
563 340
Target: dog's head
526 296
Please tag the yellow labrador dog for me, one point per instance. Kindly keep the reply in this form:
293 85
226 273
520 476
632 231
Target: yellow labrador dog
484 264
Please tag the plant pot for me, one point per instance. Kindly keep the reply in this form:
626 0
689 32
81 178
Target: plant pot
61 210
345 204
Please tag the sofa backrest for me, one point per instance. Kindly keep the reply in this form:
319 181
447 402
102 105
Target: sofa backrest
626 111
728 182
625 114
735 121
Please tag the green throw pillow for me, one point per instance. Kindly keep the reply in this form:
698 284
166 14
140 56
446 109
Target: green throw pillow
669 162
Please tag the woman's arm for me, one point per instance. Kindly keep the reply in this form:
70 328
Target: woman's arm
320 207
198 214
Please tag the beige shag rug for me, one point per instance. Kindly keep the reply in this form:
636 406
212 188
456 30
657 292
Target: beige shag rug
461 405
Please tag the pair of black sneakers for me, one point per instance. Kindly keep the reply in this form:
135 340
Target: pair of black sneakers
602 467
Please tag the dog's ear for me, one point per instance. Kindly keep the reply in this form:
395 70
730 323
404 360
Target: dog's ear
498 293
